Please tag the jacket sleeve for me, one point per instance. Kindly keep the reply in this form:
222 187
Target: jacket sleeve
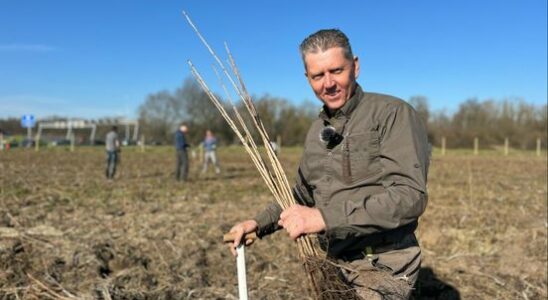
177 139
268 219
404 158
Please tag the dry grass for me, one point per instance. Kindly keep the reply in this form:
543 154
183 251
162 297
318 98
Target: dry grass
66 232
486 224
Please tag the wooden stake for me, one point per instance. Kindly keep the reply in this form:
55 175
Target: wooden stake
506 145
72 142
443 146
37 143
476 146
538 146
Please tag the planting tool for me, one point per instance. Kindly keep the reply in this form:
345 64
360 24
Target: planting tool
248 237
242 280
240 261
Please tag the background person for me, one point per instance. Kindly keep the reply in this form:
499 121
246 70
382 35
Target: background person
210 152
112 146
361 182
181 145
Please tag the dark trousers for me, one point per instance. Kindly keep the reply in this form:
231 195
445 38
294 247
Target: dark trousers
181 171
112 160
386 273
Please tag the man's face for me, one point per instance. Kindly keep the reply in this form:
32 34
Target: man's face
332 76
183 128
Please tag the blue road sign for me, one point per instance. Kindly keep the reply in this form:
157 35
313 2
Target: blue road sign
27 121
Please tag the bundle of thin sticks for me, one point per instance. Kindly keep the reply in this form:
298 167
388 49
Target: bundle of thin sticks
323 275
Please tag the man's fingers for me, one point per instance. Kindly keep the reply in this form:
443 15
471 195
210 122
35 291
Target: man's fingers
236 243
232 246
293 236
241 233
293 210
296 231
238 237
287 212
237 233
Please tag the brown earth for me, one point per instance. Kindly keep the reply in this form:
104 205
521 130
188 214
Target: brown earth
67 233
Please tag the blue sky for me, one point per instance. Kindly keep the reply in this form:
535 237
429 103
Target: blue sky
102 58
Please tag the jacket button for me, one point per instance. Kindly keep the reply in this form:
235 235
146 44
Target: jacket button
417 165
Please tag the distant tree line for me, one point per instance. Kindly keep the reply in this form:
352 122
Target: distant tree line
162 112
490 121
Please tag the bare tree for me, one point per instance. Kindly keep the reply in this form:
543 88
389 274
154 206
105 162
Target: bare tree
420 103
159 116
491 121
201 114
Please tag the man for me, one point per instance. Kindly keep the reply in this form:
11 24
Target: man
181 171
210 148
362 178
112 145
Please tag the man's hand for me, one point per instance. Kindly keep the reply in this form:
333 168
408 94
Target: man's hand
239 230
298 220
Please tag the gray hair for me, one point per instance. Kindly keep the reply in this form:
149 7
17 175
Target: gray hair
325 39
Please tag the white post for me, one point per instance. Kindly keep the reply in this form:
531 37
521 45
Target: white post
136 130
506 145
127 133
538 146
37 143
72 142
242 281
476 146
69 130
92 135
443 146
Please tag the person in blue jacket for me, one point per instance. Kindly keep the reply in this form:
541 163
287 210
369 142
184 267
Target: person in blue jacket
181 145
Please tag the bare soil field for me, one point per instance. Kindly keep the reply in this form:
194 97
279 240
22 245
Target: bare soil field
68 233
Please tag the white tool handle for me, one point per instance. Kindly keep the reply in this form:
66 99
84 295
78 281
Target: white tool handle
242 281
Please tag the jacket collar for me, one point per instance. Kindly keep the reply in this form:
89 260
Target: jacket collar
346 110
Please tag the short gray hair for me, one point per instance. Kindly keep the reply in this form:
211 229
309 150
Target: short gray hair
325 39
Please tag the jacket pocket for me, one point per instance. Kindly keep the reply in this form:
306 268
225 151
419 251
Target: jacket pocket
363 150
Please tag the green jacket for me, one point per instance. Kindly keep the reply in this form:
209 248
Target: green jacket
370 185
